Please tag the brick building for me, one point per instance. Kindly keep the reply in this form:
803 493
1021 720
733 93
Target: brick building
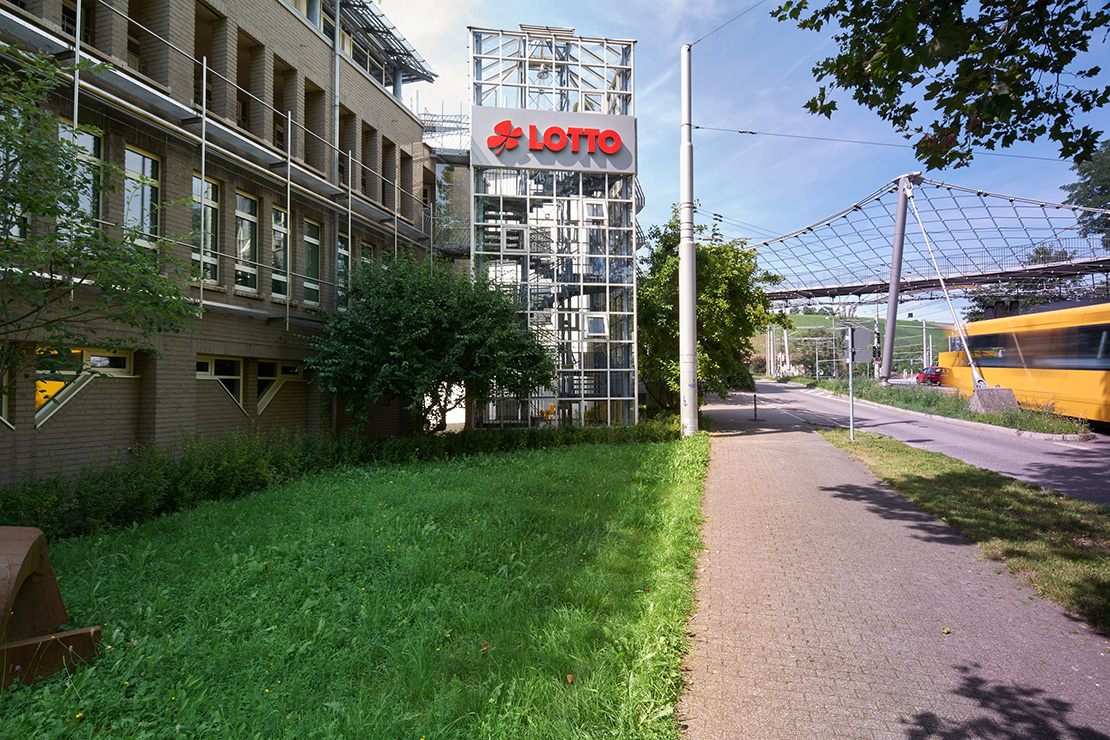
290 141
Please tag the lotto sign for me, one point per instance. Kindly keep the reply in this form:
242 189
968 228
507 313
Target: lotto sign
510 137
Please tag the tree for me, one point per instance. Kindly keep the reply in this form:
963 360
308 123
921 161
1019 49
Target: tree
1092 190
67 279
419 332
994 72
731 308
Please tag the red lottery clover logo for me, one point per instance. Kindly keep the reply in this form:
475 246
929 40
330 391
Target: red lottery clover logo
506 137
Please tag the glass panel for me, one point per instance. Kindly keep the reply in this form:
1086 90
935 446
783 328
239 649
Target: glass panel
487 208
595 270
621 412
620 104
620 270
485 68
514 239
568 240
487 238
595 386
620 384
593 78
620 326
541 182
567 184
566 100
593 185
540 241
620 299
620 214
620 241
542 210
512 97
620 355
511 73
225 367
513 211
596 356
595 297
595 241
540 98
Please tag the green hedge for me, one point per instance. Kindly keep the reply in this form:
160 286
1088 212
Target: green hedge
156 481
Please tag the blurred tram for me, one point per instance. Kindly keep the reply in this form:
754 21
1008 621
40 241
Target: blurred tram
1056 360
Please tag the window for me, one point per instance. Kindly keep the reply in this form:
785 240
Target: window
69 20
311 262
59 379
140 207
206 228
271 376
90 195
279 253
342 269
227 371
134 55
246 242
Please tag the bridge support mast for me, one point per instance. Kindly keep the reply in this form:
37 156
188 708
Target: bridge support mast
905 187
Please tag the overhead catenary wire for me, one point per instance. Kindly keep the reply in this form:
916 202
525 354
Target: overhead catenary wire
977 152
736 17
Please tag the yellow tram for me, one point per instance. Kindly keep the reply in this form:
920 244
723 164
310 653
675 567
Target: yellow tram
1055 360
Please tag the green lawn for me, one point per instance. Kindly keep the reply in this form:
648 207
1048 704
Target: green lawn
540 594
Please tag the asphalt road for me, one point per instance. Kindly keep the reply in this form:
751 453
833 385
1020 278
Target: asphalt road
1078 469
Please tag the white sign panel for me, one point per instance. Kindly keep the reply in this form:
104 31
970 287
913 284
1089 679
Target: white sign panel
548 140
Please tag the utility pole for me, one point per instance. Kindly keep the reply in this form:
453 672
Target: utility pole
687 286
925 355
786 349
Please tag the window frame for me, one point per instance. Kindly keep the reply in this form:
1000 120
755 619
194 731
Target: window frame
311 279
279 228
284 372
342 269
246 267
47 404
210 374
207 260
148 226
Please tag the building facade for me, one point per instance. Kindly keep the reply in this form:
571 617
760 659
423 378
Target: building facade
553 200
283 144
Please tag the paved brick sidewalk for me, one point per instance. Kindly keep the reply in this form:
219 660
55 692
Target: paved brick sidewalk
824 600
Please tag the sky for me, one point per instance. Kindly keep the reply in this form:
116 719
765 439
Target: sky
755 73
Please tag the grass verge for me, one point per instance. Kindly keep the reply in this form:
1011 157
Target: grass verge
534 594
1060 545
932 401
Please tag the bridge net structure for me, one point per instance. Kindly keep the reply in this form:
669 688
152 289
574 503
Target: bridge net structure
968 238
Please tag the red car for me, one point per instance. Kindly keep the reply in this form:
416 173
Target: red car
933 375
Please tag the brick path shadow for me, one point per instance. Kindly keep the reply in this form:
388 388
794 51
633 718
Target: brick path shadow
1010 712
890 505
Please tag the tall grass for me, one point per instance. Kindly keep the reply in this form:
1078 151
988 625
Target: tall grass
534 594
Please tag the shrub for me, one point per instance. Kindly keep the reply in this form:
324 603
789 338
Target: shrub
156 481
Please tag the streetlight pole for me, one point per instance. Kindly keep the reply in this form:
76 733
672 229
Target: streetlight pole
687 287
